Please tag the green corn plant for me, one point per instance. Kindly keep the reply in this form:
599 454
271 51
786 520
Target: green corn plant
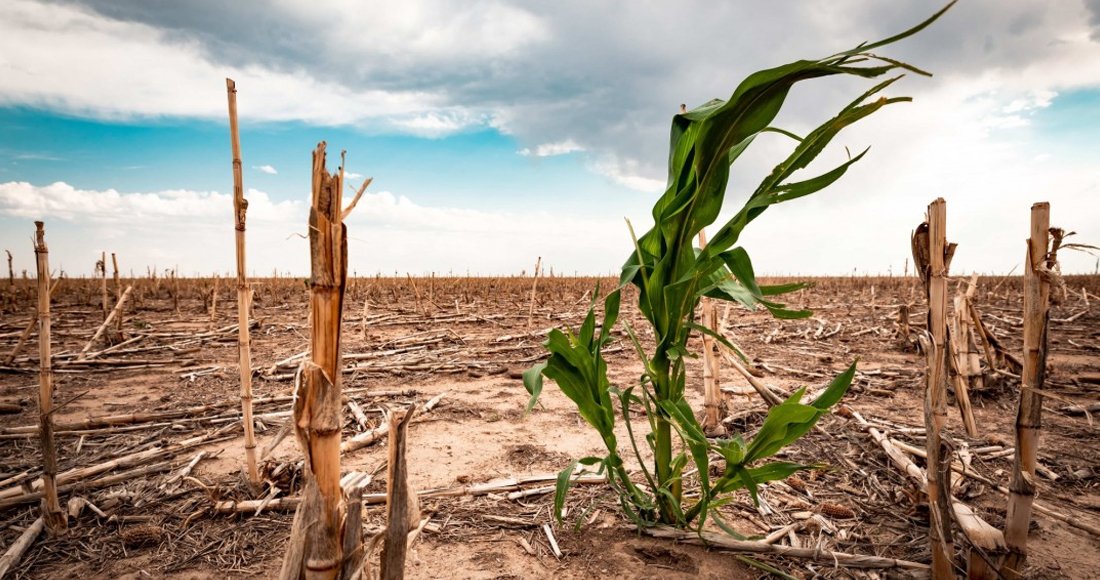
672 275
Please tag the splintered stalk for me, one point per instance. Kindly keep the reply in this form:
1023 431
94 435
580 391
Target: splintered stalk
317 541
934 258
1038 263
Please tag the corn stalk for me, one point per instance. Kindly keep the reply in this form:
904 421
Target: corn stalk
672 276
51 509
244 292
316 549
1039 265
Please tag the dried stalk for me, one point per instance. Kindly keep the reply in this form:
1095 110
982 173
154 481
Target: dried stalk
20 546
534 286
51 508
931 256
118 295
27 331
315 549
102 327
1039 262
244 292
368 437
769 396
726 542
982 535
18 495
965 361
714 403
402 508
101 269
480 489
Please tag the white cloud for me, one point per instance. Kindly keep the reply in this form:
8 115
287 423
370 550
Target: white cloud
553 149
573 76
112 69
628 173
437 123
387 232
268 169
110 207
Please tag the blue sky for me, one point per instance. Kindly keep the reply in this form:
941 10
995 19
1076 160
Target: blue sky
504 130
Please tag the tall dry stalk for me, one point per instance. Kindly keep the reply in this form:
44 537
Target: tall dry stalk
101 269
51 508
714 404
244 292
316 545
1039 262
534 287
214 298
118 296
932 257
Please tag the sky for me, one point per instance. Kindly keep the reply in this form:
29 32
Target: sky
501 131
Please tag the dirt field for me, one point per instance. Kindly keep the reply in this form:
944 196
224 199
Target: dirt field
409 340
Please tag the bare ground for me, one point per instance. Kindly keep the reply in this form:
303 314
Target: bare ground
469 338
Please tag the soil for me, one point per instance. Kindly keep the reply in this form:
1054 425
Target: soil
408 340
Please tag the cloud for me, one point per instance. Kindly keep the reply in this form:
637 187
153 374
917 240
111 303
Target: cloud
265 169
605 78
626 172
116 69
36 157
109 207
387 232
436 123
602 81
552 149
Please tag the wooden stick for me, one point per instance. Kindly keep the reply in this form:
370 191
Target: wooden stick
1037 264
51 508
931 256
106 323
244 292
402 509
17 549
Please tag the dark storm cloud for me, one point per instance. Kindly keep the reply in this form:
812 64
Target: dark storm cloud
605 75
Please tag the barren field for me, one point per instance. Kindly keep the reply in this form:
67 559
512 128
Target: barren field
166 507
